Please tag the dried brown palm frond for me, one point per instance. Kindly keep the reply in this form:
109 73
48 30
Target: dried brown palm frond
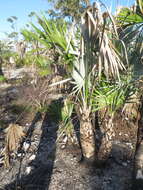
99 42
131 110
13 136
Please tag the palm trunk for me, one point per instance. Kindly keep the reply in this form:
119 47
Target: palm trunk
87 138
106 144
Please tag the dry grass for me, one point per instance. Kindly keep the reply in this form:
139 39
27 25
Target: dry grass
13 136
40 94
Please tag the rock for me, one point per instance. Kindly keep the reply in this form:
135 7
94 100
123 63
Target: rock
63 146
14 73
28 170
130 145
19 154
38 129
124 164
65 139
13 91
38 125
139 174
26 146
126 118
4 85
32 157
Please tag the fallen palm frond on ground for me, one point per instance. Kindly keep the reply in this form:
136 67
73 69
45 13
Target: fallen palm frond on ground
13 136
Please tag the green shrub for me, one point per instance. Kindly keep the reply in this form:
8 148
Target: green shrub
2 78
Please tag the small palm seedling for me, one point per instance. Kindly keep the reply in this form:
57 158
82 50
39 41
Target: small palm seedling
66 126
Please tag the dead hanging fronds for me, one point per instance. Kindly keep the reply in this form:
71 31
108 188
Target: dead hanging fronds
99 36
13 136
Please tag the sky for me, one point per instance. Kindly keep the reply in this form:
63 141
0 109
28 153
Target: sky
22 8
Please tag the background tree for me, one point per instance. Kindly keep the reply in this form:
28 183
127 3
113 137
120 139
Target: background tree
5 52
69 8
14 34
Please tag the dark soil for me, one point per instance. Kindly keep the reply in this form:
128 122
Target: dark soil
49 164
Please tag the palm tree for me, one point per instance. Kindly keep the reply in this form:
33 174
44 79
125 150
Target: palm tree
98 57
94 58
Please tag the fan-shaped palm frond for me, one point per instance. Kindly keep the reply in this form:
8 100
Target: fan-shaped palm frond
130 21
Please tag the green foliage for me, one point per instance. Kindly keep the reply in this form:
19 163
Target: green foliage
31 14
5 52
112 95
19 108
130 22
99 56
66 117
12 19
44 72
100 53
127 16
72 8
2 78
54 110
140 6
30 58
53 35
44 66
13 35
42 62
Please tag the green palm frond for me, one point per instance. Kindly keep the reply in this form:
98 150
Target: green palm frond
130 21
113 95
127 16
53 34
31 36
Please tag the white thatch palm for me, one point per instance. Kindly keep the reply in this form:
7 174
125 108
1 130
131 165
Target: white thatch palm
98 57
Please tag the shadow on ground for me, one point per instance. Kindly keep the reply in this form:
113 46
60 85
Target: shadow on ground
66 172
42 166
